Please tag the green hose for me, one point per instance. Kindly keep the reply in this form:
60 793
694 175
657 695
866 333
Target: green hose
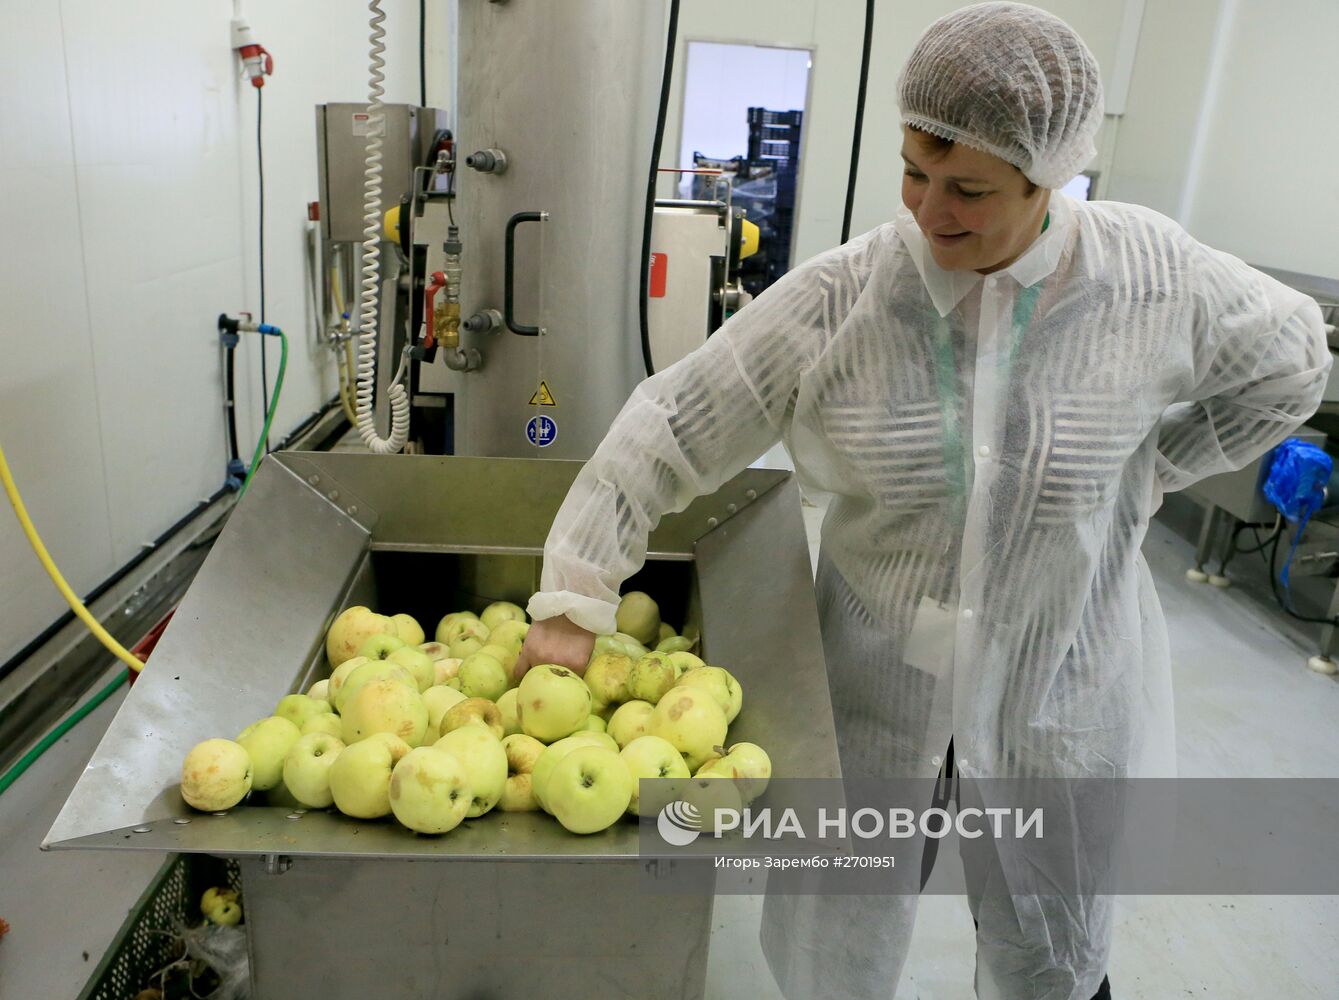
28 759
274 403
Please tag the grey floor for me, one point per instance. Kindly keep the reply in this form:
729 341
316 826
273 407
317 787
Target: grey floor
1246 706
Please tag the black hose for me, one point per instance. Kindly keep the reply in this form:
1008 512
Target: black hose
422 53
1272 563
230 395
859 120
644 283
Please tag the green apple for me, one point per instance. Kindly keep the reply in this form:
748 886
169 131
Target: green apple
650 677
430 791
447 620
268 742
629 721
674 644
418 663
509 633
350 630
690 719
307 769
638 616
589 789
320 691
666 631
607 678
552 754
631 646
465 646
485 763
440 699
340 675
522 753
652 757
506 706
385 705
435 650
463 628
747 764
360 778
482 676
367 672
407 629
226 914
709 794
216 775
594 724
503 653
553 702
327 722
298 708
215 897
501 611
684 662
607 644
473 712
718 681
445 669
380 646
736 697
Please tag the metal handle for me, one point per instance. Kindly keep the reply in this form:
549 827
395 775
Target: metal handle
509 273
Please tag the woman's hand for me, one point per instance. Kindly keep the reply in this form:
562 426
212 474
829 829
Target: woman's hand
555 640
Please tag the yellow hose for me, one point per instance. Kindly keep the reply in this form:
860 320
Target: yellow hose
343 359
94 626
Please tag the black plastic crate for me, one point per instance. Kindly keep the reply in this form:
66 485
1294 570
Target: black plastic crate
147 940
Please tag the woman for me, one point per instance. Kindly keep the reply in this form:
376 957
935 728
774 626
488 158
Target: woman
994 390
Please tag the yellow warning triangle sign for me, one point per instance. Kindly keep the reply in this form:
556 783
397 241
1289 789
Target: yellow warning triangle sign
542 396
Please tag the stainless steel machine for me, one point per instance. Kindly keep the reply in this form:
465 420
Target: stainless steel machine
524 226
507 905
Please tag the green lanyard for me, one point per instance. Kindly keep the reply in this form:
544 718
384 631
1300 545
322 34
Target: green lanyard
946 379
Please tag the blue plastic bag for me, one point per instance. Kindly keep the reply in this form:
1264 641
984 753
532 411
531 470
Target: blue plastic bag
1296 485
1297 479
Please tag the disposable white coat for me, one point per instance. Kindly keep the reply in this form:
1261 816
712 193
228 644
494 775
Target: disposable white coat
992 449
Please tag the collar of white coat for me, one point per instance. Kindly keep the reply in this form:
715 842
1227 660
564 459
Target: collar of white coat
947 288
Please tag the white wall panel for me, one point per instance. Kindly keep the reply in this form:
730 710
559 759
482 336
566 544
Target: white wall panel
134 191
48 408
1266 188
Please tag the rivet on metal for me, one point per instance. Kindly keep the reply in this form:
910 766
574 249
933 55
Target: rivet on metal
751 494
353 510
181 820
313 479
712 522
333 495
224 813
143 829
295 815
731 508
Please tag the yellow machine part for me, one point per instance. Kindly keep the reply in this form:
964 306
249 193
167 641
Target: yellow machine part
390 224
748 243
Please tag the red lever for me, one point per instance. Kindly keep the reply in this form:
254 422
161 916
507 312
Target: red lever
437 283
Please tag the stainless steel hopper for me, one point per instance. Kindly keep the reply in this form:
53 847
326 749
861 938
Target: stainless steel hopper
342 908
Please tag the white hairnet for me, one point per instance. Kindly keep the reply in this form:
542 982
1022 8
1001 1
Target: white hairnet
1011 80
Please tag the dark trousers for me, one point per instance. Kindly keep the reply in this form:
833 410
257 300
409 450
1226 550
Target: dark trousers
946 788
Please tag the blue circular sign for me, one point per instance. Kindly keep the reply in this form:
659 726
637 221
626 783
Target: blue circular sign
542 431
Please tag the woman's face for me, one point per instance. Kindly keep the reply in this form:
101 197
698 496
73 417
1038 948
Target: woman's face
973 207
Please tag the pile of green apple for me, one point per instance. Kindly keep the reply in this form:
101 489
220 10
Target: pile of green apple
435 732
